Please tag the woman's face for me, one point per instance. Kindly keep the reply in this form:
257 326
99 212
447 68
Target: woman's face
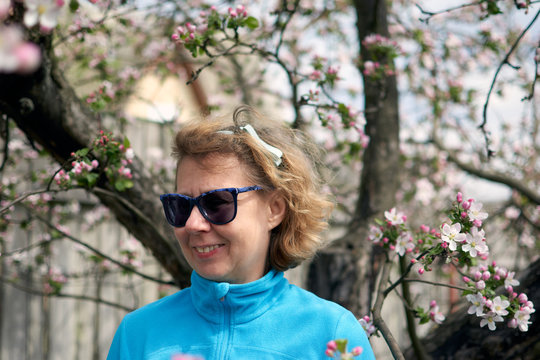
235 252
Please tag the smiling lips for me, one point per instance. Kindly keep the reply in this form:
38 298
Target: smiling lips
206 249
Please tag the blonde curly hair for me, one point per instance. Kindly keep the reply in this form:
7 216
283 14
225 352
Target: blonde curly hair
297 179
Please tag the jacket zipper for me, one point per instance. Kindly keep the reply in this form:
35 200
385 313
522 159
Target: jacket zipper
225 330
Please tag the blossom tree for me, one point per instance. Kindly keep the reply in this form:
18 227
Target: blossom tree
392 92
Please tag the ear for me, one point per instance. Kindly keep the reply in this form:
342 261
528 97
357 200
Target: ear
277 207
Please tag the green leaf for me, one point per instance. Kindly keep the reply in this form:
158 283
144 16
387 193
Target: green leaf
73 5
342 345
493 8
82 152
252 22
119 185
123 185
91 179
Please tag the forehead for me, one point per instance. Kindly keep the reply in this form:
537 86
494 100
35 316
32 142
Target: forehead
200 174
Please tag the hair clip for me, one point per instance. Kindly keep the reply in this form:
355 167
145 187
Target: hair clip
274 151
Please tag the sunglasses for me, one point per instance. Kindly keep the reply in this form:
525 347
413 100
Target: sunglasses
217 206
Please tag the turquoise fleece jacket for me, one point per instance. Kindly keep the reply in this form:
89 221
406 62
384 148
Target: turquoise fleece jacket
265 319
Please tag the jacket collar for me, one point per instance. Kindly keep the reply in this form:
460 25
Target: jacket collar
245 301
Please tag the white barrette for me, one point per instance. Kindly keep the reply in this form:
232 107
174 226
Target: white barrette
276 153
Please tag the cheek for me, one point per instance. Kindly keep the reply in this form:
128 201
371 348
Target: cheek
180 234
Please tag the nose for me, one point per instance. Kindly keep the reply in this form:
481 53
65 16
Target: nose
196 222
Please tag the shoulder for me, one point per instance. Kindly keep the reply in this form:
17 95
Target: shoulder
330 321
164 307
312 302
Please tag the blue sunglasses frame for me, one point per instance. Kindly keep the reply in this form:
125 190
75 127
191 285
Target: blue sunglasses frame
169 200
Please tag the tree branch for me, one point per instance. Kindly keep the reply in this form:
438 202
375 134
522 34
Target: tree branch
436 283
431 14
36 292
519 186
100 253
494 80
376 311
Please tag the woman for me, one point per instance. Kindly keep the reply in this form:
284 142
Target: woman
248 207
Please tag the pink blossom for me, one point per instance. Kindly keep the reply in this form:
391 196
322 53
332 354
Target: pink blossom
315 75
480 285
452 235
42 12
475 213
29 56
394 217
356 351
367 325
190 27
331 345
4 8
490 319
17 55
522 298
185 357
329 353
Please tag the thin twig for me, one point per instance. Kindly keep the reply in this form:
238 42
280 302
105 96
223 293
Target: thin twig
431 14
491 88
405 273
377 318
33 291
436 283
100 253
24 196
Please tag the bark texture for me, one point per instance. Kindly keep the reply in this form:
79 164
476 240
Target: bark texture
351 267
45 107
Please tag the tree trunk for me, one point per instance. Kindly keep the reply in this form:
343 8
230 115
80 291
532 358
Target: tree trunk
351 267
47 110
461 337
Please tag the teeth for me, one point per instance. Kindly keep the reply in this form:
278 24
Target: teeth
206 248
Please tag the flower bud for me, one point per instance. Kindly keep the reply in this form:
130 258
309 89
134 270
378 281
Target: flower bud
357 350
421 271
466 279
522 298
331 345
486 275
459 197
477 275
329 353
513 323
433 303
480 285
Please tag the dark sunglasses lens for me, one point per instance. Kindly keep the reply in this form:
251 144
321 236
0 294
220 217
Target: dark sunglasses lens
218 206
177 210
